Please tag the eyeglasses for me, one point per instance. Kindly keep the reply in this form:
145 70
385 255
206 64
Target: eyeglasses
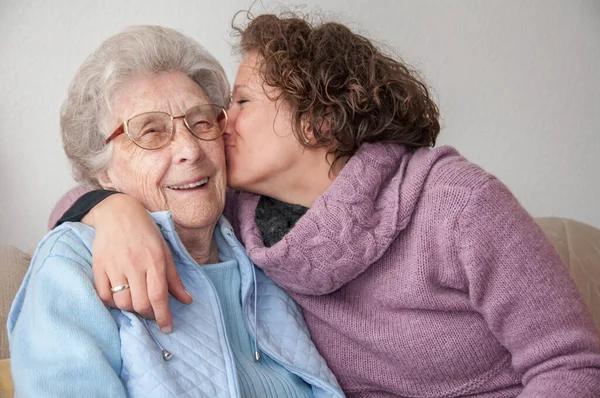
153 130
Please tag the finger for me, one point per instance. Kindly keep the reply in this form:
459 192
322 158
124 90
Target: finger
159 299
139 296
102 285
174 282
122 299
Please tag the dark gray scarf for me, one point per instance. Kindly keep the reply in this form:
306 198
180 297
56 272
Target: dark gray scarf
275 218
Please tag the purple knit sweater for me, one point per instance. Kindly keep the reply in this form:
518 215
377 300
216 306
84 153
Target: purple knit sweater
420 275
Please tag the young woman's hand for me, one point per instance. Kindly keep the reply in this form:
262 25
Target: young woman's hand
129 250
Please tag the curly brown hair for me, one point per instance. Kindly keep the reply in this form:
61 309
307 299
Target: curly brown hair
341 83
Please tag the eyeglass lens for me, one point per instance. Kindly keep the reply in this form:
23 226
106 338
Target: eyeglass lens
153 129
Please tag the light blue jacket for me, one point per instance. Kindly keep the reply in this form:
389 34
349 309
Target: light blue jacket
64 342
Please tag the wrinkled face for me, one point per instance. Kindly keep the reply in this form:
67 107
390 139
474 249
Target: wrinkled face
187 176
260 145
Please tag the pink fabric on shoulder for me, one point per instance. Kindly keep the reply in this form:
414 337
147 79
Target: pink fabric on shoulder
64 203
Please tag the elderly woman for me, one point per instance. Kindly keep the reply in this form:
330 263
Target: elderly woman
144 115
419 274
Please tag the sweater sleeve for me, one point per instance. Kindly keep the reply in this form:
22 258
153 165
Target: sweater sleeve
519 285
83 205
63 340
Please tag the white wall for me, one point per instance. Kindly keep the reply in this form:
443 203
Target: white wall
518 84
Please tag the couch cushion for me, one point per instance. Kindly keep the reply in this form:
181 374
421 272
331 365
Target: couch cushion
6 385
578 245
13 265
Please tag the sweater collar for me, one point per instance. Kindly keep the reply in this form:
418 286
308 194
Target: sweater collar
368 204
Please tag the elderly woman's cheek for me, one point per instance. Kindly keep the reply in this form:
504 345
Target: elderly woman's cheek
142 173
153 193
150 175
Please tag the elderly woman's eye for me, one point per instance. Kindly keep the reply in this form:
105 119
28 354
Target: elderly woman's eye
150 128
202 125
149 131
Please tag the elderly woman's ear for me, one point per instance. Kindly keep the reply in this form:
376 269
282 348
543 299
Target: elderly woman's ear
106 182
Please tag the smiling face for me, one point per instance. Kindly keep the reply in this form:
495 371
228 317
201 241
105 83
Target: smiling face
187 176
262 151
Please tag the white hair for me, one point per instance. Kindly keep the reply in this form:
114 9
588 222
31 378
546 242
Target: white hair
138 50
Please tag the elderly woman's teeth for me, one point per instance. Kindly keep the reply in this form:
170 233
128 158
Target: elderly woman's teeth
188 186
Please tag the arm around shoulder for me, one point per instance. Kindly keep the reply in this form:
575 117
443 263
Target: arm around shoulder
519 285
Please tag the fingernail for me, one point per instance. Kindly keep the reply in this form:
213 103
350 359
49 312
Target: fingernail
166 329
188 293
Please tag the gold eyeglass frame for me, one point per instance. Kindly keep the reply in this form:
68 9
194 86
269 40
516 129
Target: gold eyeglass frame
124 127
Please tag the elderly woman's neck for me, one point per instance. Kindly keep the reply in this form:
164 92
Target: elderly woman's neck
200 244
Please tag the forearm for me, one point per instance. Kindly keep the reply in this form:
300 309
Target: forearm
128 246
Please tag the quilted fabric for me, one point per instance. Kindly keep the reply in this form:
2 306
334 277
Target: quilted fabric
288 345
201 364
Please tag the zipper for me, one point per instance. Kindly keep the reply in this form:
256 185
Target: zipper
291 368
182 250
229 353
236 247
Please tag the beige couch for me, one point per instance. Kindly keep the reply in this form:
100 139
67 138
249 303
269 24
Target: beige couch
578 245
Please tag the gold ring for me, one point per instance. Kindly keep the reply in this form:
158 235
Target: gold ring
117 289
